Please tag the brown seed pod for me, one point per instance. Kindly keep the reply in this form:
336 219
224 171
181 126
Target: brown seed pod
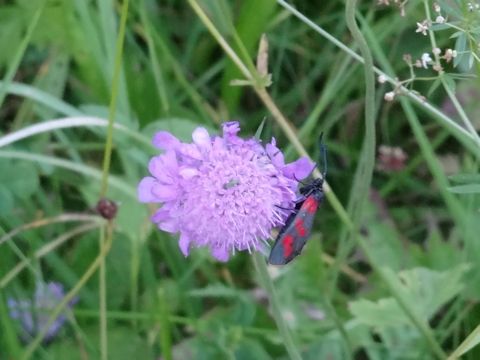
106 208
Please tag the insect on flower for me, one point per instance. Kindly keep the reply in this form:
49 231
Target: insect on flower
224 192
294 234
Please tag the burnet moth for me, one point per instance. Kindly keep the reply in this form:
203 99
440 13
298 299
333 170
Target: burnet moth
294 234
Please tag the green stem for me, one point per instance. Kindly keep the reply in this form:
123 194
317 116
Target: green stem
68 297
165 327
363 176
102 299
267 284
467 344
113 100
466 121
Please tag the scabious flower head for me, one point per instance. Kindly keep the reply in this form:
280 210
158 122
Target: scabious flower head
222 192
33 314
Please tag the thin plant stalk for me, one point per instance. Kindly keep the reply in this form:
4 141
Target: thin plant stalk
105 173
113 100
267 283
70 295
466 121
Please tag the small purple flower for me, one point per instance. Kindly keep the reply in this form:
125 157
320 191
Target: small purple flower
223 192
33 314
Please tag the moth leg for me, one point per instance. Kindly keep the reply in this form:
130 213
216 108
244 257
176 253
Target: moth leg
281 207
301 199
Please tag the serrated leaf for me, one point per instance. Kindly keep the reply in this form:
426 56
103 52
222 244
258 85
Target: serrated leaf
384 312
425 290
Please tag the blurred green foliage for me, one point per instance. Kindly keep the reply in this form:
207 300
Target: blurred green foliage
175 77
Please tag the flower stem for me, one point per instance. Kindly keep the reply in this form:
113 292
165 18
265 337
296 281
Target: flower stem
450 93
102 299
113 100
104 185
267 284
71 294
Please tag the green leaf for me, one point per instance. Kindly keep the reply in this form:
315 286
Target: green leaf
450 83
258 133
460 47
434 86
469 343
218 290
20 181
465 189
465 178
6 200
425 290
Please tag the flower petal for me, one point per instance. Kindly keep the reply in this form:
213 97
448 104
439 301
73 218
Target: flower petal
188 172
170 226
220 253
299 169
164 192
275 155
201 137
160 215
170 161
165 140
184 243
230 128
157 168
144 190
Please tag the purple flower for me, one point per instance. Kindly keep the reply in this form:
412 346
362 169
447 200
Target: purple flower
222 192
33 314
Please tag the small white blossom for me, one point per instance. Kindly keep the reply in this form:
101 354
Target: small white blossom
436 51
426 59
440 19
449 55
422 27
382 79
389 96
436 7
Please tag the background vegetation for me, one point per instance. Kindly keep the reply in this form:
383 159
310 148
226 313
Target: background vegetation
392 268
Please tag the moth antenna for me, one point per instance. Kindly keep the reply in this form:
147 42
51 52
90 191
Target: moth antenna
323 154
299 181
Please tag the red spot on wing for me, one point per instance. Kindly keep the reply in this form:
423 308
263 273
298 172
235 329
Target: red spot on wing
288 245
310 205
300 227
